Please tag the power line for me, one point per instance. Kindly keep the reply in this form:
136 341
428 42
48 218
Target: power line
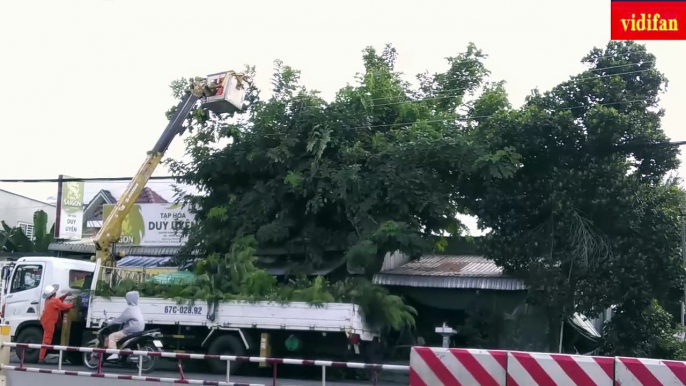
661 144
465 89
75 179
470 117
587 70
114 179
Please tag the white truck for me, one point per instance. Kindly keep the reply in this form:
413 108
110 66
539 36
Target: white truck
296 329
333 331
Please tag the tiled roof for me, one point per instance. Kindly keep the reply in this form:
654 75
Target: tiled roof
149 196
109 195
441 271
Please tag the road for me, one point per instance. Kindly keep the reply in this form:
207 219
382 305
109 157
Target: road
24 379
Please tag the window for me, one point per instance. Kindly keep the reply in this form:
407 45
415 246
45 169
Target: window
26 277
27 229
78 279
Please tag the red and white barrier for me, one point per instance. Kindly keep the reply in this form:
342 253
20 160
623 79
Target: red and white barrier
449 367
525 369
21 348
232 358
124 377
648 372
442 366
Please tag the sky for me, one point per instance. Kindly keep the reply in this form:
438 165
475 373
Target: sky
87 81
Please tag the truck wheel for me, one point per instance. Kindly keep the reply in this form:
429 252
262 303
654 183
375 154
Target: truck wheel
75 358
30 335
226 345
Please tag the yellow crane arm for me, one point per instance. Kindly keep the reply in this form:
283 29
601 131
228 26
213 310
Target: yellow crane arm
110 231
221 92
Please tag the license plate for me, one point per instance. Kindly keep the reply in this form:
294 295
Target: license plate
157 343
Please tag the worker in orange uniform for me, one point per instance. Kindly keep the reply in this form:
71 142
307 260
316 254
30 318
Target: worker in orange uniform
52 312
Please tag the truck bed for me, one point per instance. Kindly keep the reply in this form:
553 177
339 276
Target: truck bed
332 317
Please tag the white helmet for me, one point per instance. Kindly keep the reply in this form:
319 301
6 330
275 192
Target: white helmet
50 290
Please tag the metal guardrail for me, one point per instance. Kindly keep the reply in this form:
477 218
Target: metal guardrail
22 347
123 376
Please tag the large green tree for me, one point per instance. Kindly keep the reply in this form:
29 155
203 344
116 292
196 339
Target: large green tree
588 220
378 169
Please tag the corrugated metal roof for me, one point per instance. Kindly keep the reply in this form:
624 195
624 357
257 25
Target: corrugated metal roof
143 261
26 198
87 246
442 265
440 271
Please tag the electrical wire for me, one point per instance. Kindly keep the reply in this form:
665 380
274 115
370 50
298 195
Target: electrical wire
102 179
86 179
587 70
467 118
465 89
681 143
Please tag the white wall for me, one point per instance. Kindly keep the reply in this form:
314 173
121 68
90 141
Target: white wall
15 208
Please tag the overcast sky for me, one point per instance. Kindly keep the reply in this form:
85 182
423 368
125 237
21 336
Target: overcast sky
86 82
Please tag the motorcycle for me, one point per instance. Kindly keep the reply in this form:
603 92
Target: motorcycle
140 341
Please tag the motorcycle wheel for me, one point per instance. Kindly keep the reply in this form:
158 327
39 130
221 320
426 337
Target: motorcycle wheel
148 365
90 359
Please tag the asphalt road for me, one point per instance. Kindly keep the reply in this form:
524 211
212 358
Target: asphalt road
23 378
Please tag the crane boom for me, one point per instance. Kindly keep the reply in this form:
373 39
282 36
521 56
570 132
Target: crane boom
222 92
110 231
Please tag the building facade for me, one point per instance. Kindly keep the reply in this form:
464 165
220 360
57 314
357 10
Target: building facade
17 210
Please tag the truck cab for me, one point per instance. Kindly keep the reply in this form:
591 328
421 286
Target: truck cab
22 300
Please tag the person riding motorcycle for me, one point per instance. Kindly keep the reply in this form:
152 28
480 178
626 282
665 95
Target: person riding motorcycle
131 321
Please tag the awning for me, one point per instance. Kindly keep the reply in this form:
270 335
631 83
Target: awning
143 261
180 277
87 246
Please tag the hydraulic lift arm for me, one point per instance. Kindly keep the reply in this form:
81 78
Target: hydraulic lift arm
110 231
212 91
222 92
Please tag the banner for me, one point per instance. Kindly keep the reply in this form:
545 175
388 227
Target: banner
69 219
153 224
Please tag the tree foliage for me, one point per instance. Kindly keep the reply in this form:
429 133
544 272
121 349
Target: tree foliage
572 184
234 277
378 169
589 220
375 170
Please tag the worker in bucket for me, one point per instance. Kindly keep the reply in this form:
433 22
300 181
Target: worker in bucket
131 321
52 313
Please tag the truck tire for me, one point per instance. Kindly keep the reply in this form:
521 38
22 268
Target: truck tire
75 358
31 335
226 345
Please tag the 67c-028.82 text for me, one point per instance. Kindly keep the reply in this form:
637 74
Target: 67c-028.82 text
192 310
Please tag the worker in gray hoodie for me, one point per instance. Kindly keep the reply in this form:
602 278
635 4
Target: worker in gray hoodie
131 321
